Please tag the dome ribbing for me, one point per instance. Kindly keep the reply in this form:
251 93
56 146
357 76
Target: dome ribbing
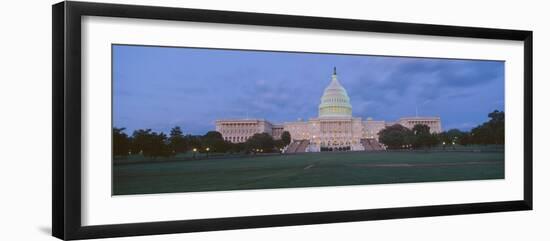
335 101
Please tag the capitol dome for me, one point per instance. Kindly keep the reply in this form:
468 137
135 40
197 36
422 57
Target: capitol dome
335 100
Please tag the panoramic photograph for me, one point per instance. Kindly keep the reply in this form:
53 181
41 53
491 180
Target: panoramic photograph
201 119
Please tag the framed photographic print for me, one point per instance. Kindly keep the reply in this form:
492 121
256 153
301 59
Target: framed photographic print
170 120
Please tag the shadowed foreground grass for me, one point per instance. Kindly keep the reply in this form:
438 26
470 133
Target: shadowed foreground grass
305 170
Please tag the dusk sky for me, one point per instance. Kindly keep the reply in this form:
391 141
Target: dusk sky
161 87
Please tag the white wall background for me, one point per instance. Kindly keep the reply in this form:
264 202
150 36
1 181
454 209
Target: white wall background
25 107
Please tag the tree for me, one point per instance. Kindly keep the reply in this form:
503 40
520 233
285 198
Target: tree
454 137
432 140
177 142
121 142
150 144
286 138
396 136
215 142
421 129
260 141
141 141
466 139
279 144
159 146
423 137
213 135
497 126
236 147
194 142
496 116
490 132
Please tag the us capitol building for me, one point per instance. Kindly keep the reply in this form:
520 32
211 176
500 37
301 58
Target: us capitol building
334 129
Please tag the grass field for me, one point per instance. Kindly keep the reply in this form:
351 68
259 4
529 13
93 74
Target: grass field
305 170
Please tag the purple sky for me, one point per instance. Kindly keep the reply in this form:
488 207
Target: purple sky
161 87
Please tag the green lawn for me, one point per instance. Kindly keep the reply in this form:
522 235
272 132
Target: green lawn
305 170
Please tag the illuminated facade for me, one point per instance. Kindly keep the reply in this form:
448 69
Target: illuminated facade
334 129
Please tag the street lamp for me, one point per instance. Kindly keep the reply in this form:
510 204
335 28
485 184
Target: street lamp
207 150
194 152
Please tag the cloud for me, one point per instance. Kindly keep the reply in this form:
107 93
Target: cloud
387 81
194 87
275 100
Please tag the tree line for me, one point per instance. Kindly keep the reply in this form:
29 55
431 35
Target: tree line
153 144
400 137
157 144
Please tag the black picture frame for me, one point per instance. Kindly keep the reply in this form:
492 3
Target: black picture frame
66 159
